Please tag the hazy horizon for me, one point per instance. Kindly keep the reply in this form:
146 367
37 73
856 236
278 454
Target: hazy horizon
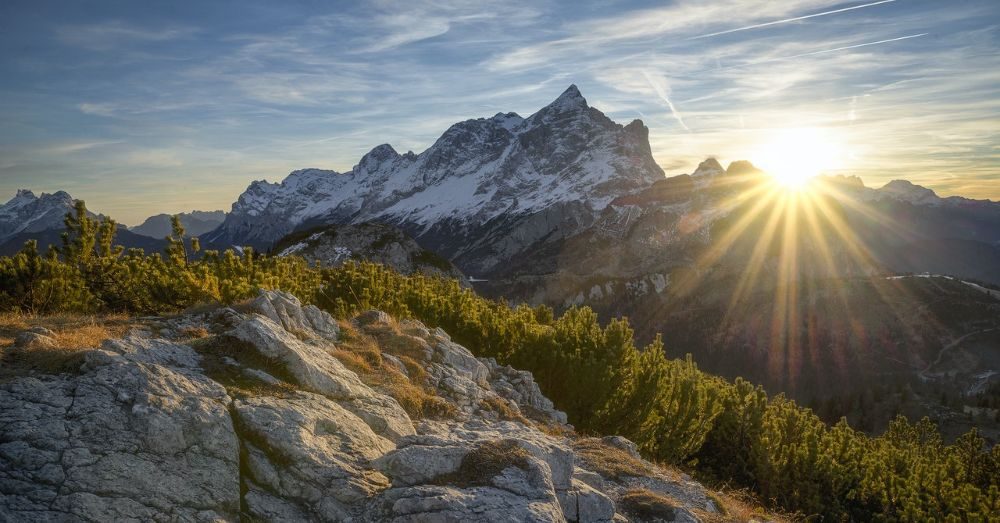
163 108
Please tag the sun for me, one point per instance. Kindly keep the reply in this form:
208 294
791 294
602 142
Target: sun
794 156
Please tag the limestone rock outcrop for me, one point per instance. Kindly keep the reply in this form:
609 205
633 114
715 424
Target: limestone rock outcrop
257 418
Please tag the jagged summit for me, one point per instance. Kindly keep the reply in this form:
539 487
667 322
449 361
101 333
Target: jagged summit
570 99
484 172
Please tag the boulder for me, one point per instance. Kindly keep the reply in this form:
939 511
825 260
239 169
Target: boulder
315 370
310 453
585 504
32 340
519 387
286 310
139 435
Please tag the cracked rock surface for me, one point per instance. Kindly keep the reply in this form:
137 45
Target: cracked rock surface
260 421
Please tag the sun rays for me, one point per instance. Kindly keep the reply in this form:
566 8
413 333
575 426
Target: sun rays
793 258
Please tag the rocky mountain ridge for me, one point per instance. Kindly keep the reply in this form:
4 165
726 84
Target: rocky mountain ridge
483 191
228 415
333 245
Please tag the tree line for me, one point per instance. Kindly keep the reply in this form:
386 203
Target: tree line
725 432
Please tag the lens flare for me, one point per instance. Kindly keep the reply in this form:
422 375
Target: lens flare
794 156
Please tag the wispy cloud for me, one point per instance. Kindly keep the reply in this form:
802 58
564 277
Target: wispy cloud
108 35
659 84
144 103
75 147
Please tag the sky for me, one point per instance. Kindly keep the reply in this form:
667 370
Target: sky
148 107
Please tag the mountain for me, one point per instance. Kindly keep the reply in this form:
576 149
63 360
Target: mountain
195 224
483 192
26 213
332 245
797 292
40 218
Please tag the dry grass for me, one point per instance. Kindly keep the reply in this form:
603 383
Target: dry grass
71 330
73 335
195 333
21 361
739 506
648 505
362 353
485 462
608 461
503 409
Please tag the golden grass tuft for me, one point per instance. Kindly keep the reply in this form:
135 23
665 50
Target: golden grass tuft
503 409
739 506
648 505
195 333
485 462
72 331
362 352
20 361
609 461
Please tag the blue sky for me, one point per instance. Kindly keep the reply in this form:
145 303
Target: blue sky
147 107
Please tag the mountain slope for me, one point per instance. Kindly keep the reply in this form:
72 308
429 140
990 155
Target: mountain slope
280 413
790 291
333 245
484 191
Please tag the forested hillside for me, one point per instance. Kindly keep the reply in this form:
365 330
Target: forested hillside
725 431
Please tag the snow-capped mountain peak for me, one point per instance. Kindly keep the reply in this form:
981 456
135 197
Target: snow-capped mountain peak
906 191
480 171
570 101
26 212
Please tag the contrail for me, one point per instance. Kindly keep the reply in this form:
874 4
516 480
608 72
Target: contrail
824 51
866 44
663 94
786 20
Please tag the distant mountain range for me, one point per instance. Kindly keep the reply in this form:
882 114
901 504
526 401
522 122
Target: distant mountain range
30 217
196 223
491 190
566 207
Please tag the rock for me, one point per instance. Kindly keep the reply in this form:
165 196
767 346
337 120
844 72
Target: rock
139 435
274 427
316 370
32 340
310 452
286 310
372 318
590 478
432 503
42 331
585 504
519 387
411 461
